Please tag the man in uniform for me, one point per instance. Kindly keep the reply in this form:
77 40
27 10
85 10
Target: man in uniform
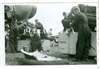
39 25
14 34
50 33
65 22
84 34
35 41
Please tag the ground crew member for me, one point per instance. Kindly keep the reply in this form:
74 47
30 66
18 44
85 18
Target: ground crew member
13 34
65 22
50 33
35 41
39 25
84 34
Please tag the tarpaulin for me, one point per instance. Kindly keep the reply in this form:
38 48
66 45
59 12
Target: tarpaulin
40 56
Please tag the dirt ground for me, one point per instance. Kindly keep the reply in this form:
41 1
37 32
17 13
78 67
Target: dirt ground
11 59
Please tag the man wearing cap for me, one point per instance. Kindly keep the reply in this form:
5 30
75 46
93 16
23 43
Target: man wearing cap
35 43
84 34
39 25
65 22
13 34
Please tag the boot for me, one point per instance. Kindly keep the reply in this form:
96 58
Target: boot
13 50
16 50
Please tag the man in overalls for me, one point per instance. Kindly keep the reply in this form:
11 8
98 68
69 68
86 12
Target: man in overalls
14 34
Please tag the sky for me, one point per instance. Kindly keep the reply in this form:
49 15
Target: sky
50 15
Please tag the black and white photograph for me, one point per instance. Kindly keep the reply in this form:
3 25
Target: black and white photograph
50 34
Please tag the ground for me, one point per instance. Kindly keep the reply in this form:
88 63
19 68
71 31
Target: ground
11 58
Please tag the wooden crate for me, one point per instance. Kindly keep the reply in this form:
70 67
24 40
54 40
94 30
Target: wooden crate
69 45
23 43
63 40
93 52
73 40
46 45
55 47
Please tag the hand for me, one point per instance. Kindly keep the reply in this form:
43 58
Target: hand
70 23
7 37
23 33
18 38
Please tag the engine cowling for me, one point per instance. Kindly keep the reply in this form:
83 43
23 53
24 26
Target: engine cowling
22 12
